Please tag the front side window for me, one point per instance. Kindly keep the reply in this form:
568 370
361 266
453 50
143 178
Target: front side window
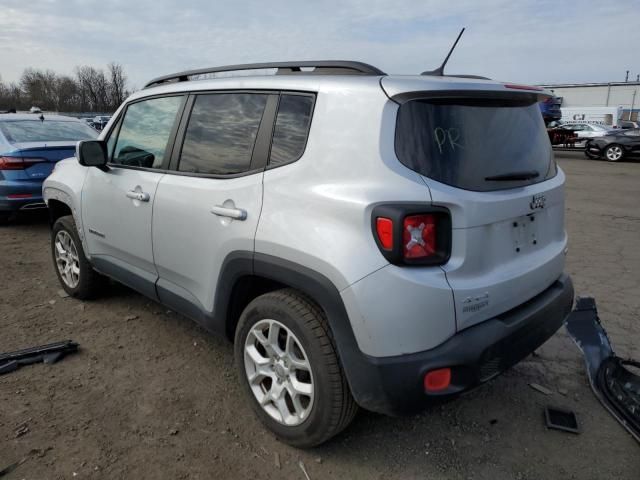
145 132
221 133
291 129
479 145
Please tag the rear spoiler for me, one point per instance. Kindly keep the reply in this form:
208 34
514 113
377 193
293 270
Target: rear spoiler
403 89
505 95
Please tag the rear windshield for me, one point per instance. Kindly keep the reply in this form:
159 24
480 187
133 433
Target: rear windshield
19 131
479 145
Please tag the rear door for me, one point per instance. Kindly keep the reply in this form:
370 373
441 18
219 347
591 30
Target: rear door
209 205
487 158
117 203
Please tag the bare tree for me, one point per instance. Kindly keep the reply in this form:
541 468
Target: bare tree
90 90
117 85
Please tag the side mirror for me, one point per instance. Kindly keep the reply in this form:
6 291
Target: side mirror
92 153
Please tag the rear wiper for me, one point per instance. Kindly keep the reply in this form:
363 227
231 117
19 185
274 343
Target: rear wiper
506 177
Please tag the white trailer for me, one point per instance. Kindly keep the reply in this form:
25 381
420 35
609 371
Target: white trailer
610 116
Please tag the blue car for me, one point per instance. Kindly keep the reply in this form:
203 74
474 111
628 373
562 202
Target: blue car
550 109
30 146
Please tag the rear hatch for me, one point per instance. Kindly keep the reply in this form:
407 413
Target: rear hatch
483 152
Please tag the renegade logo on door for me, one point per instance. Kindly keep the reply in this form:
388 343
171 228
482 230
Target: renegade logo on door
538 201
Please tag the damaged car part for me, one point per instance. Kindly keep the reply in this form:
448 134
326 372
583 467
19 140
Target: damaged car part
50 353
558 419
612 382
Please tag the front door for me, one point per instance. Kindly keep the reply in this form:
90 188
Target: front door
117 203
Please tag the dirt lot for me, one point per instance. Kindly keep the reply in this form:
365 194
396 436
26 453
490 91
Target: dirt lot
151 395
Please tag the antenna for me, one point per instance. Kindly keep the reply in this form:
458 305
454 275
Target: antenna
439 72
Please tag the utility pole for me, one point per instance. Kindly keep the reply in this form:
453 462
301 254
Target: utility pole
626 78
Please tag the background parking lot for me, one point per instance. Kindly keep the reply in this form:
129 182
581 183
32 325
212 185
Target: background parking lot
151 395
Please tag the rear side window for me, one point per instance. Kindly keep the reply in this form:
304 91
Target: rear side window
221 133
145 132
291 129
36 130
479 145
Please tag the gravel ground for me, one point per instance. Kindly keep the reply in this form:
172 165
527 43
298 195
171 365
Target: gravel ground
151 395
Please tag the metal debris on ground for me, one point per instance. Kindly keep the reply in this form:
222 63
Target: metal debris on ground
611 378
50 353
304 470
541 389
276 460
559 419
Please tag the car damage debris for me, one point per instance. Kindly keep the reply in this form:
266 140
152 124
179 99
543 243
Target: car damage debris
615 385
559 419
50 353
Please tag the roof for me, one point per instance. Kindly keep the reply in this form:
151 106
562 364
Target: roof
35 116
575 85
392 84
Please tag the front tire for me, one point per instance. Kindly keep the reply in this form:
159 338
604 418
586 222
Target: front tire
287 361
75 273
614 153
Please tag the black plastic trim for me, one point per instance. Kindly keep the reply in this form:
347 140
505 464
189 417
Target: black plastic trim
389 385
262 145
397 211
143 282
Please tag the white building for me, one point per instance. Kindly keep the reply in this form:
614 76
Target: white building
612 94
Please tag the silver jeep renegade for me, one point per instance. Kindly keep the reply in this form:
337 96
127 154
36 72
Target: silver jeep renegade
364 239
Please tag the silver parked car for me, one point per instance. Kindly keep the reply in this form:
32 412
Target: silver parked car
588 130
364 239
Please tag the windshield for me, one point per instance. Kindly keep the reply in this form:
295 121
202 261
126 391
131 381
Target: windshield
22 131
479 145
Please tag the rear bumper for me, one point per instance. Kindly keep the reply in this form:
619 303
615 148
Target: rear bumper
394 385
20 195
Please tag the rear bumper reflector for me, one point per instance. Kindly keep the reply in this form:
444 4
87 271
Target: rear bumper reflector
19 195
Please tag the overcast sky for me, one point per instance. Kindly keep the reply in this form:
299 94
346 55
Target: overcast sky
543 41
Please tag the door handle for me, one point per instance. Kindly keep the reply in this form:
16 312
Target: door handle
235 213
140 196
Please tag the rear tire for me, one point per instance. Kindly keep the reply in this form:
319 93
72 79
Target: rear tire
284 345
614 153
75 273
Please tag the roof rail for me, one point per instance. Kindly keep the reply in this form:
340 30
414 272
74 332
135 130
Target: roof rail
325 67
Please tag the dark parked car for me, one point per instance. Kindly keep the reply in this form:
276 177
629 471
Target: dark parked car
614 146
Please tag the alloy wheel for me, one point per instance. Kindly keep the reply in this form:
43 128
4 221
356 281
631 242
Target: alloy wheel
279 372
614 153
67 261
